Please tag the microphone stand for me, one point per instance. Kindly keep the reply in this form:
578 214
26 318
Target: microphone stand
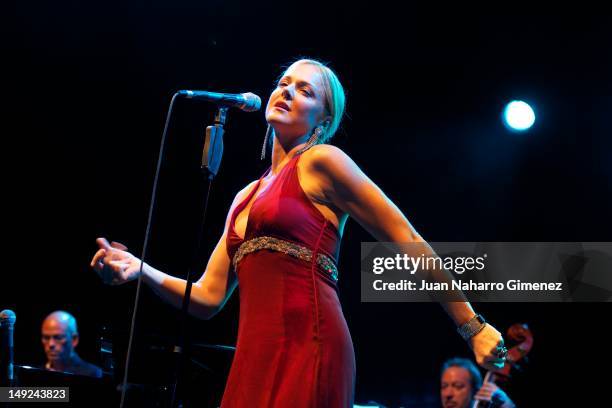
211 160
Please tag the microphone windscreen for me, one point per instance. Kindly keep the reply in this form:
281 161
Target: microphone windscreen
252 102
7 317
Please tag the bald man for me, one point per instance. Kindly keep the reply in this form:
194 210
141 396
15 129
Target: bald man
59 338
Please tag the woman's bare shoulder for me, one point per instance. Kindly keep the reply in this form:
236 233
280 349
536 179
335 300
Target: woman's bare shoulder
324 151
328 159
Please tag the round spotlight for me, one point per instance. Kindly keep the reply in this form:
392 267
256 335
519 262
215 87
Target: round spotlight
518 116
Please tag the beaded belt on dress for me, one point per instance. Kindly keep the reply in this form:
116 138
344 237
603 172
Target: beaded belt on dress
289 248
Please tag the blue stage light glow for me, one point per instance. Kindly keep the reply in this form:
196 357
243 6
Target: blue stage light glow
518 116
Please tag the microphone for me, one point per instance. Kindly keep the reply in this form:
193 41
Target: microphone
7 321
248 102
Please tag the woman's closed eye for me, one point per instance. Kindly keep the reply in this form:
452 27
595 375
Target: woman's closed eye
306 92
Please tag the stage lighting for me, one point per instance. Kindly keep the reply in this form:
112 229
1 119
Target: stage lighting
518 116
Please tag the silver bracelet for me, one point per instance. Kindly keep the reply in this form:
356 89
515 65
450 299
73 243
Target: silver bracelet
472 327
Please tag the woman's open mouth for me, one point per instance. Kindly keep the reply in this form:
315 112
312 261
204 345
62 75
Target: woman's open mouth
282 105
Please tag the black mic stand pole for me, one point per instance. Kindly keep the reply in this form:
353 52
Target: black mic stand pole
143 255
211 160
213 150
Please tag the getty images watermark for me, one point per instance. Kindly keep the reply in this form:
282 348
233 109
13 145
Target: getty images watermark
486 272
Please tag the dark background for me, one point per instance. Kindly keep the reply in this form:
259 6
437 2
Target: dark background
88 86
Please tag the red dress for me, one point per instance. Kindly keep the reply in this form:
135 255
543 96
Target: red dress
294 348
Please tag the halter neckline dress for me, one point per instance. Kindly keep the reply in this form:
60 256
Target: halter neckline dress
294 348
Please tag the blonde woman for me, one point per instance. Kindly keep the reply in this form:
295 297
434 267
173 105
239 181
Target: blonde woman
280 244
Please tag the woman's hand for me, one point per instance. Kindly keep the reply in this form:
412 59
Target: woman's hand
487 345
114 264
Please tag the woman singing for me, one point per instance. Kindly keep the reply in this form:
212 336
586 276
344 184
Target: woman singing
280 244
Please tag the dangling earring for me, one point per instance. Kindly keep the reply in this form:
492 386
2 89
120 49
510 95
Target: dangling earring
312 141
266 142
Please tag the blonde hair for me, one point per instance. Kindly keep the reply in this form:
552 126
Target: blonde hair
334 97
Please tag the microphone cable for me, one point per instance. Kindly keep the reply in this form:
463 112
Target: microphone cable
144 248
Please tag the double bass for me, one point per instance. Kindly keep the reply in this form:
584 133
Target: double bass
520 334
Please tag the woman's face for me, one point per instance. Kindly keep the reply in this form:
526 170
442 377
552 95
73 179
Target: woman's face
297 104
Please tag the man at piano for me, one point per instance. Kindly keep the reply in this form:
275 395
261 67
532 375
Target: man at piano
60 337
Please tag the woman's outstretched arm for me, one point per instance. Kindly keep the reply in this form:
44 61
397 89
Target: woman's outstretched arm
116 265
345 186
